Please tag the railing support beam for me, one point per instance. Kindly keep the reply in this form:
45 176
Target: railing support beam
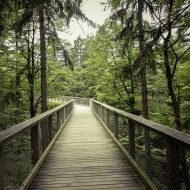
116 127
173 164
59 119
148 159
50 127
35 143
108 119
131 138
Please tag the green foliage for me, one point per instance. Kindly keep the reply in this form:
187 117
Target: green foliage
105 67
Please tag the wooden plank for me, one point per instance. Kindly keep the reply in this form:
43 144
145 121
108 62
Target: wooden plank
84 157
153 126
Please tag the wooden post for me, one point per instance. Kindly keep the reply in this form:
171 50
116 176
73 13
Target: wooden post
64 115
35 143
69 108
173 164
1 169
108 119
131 138
50 128
148 162
103 114
116 127
45 133
65 112
58 119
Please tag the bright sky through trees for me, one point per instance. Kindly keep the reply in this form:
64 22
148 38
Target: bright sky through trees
95 11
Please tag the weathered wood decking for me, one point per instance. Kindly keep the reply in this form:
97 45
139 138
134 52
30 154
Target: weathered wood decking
85 158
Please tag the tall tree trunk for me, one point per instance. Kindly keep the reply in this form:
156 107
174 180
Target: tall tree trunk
32 84
182 167
181 155
148 167
44 106
17 82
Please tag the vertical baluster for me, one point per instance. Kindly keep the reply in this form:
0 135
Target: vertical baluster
173 164
64 115
65 112
1 168
103 114
35 143
100 108
116 127
108 119
69 108
148 162
104 118
50 127
45 133
131 138
61 116
58 119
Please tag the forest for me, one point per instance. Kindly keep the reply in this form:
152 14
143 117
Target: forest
138 61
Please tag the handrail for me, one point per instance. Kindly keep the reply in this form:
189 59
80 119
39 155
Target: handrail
41 122
162 129
174 145
78 100
12 132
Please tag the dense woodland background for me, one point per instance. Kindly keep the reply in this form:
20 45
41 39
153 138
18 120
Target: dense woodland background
138 61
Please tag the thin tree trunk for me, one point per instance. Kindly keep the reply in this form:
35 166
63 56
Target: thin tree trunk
180 155
17 83
44 106
32 83
148 167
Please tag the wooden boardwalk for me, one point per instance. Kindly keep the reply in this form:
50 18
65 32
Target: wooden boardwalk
85 158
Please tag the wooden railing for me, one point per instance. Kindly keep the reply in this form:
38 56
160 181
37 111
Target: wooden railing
170 148
78 100
41 143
